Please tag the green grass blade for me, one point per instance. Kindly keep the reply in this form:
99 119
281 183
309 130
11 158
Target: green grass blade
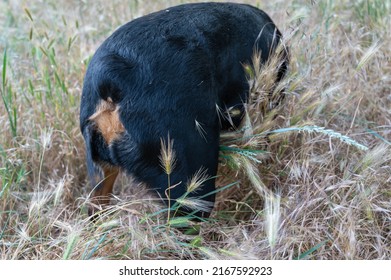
220 189
4 74
72 240
377 135
310 251
97 245
7 97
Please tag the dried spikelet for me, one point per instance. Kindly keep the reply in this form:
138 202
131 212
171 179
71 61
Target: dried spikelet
261 106
367 56
264 94
195 204
252 173
58 192
167 156
46 138
38 201
24 235
373 159
198 179
272 217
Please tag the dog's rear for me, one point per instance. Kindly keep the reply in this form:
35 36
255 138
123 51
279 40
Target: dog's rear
164 75
100 122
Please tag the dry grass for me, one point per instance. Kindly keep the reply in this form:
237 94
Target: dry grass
308 179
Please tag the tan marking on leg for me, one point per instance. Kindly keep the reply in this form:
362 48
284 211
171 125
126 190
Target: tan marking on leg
107 120
101 195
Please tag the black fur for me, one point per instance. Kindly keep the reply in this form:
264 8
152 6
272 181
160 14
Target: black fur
166 71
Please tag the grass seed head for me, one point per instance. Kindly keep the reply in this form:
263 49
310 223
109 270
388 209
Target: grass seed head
197 180
167 156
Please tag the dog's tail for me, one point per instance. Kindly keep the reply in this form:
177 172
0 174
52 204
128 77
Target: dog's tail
97 153
103 91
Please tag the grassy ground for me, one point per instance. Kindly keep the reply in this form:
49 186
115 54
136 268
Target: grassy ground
310 179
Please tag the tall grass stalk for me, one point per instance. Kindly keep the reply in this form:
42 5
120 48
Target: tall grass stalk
167 161
8 98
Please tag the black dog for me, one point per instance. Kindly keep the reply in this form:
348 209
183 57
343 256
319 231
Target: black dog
170 73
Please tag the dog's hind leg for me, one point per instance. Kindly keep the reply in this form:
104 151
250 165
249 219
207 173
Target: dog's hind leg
103 190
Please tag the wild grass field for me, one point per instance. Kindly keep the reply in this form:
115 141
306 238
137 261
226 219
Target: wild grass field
310 179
